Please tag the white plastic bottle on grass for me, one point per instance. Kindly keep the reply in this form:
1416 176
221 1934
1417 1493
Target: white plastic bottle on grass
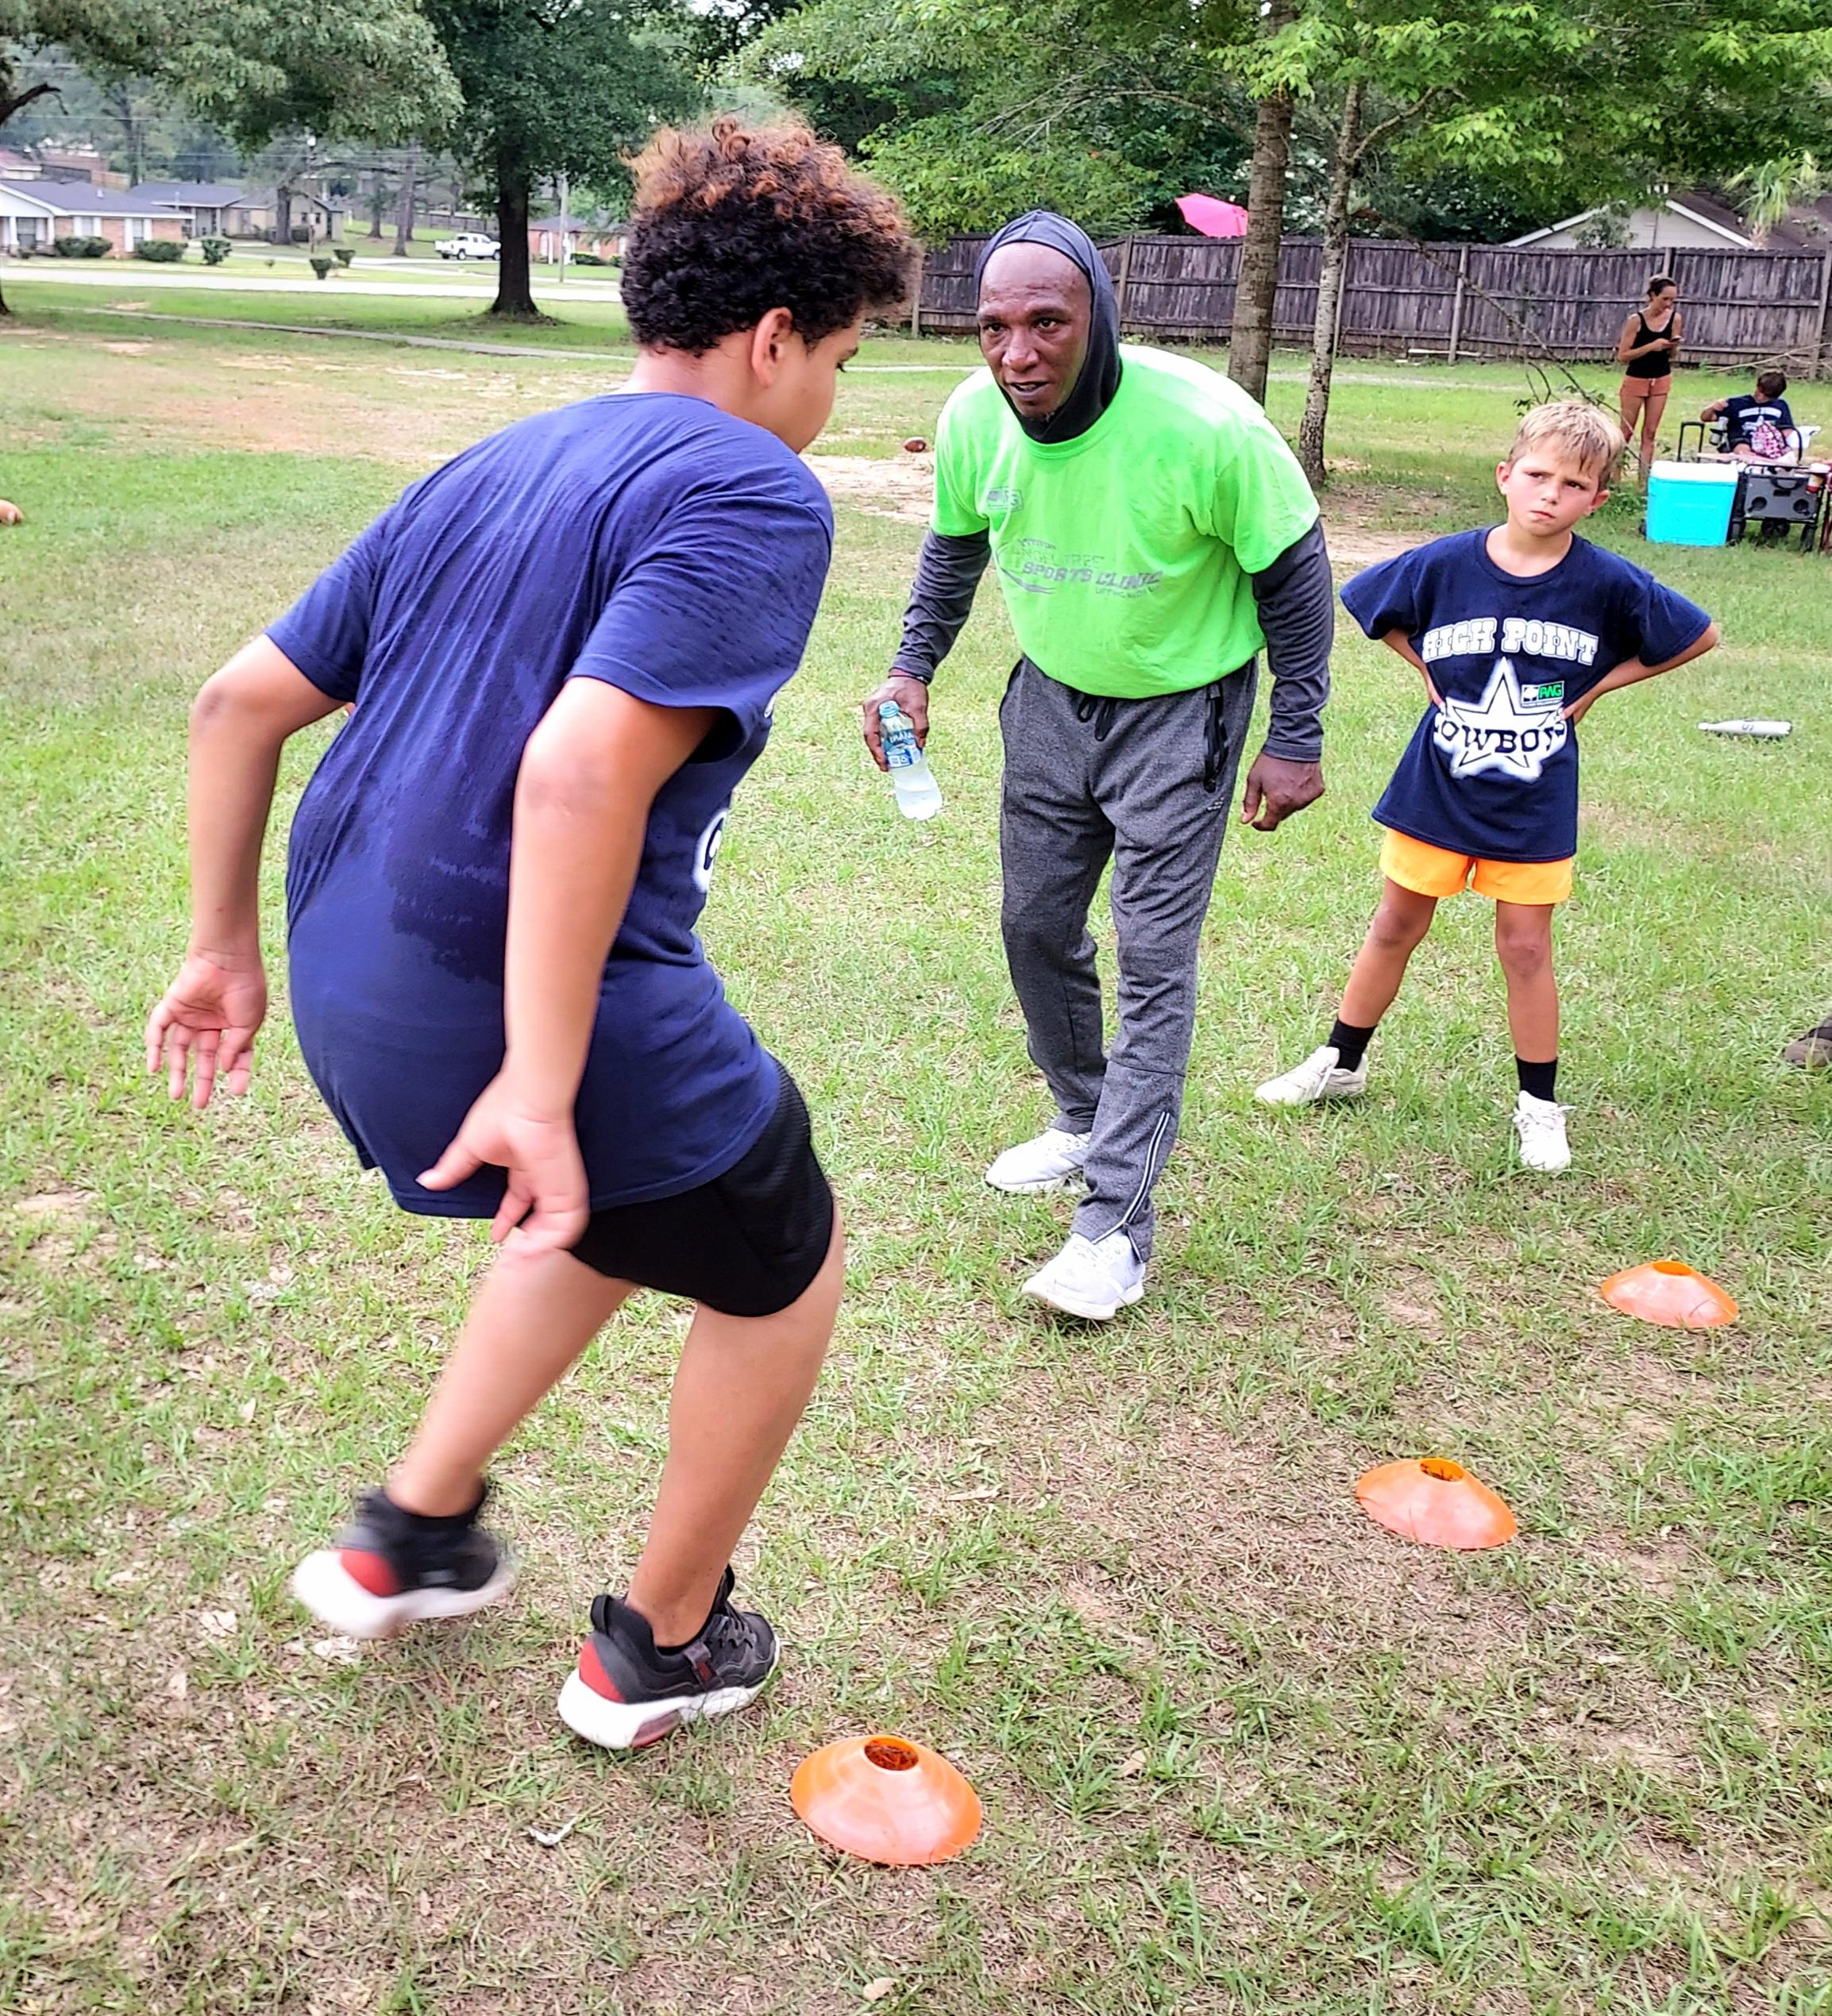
918 795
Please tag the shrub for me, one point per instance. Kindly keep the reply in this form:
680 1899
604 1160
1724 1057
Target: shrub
95 248
216 250
585 258
321 266
162 252
68 247
342 254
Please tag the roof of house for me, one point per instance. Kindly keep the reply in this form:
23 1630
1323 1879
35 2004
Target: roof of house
189 195
83 199
264 199
1806 227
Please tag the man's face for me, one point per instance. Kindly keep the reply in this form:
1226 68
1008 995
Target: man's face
1036 313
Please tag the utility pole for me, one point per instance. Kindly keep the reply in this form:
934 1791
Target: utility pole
566 222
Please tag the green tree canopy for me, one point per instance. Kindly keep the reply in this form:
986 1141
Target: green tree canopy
557 87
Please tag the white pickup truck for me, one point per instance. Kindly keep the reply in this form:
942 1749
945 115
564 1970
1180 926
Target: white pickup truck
468 245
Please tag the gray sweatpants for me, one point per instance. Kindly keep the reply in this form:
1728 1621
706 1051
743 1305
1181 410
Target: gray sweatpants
1148 784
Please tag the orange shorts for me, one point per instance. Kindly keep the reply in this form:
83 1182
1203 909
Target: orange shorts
1426 870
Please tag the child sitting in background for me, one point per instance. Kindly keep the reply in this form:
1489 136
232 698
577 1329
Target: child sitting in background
1515 631
1759 428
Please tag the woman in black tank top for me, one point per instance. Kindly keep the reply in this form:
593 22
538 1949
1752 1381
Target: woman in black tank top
1646 349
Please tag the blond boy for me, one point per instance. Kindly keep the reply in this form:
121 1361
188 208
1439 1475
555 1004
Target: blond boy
1516 630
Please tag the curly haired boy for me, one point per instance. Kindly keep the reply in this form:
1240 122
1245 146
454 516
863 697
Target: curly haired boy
564 648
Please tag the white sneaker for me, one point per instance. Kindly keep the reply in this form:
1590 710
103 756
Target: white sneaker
1540 1124
1089 1277
1047 1163
1318 1077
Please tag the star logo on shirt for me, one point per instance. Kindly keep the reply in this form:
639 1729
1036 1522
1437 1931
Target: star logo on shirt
1502 732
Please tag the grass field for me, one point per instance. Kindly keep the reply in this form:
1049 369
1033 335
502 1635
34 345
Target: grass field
1240 1750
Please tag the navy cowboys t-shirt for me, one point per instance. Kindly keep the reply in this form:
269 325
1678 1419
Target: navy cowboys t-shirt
645 539
1494 773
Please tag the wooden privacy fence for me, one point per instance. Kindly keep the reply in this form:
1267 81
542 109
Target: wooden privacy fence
1453 301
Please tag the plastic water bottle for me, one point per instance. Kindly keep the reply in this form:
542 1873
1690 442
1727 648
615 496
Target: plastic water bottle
918 795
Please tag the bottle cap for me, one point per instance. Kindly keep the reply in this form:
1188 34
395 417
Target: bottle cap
887 708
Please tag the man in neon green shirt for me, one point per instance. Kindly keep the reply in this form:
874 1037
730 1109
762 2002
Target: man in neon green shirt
1150 531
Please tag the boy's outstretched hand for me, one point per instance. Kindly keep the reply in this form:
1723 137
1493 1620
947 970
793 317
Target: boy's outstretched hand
205 1027
548 1201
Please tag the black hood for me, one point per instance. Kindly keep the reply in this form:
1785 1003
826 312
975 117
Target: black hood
1093 392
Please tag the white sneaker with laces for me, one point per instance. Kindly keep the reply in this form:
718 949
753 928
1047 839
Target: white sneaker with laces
1047 1163
1319 1077
1540 1124
1095 1278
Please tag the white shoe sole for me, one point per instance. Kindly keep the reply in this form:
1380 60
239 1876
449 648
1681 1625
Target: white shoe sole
1546 1168
1038 1186
1266 1097
339 1601
625 1725
1090 1312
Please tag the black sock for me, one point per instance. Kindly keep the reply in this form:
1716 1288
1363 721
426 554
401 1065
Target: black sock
1350 1044
440 1526
1541 1080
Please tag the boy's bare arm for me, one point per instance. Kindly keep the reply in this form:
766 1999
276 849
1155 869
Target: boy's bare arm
1631 672
1397 641
207 1022
1710 412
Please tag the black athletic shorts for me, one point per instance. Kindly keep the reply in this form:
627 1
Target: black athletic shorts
748 1243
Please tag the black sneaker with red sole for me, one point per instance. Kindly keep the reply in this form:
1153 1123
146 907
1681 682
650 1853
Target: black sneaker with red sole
388 1569
626 1694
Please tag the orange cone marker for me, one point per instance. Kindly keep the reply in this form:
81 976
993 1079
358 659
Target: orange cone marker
886 1800
1670 1292
1437 1501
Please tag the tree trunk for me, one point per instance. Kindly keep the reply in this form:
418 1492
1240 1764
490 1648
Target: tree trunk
404 206
378 207
1250 341
514 294
1329 280
282 214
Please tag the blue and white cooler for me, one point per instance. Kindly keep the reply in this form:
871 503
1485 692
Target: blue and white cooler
1691 503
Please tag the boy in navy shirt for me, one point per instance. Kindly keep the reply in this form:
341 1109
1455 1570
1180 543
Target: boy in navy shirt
564 648
1758 428
1515 631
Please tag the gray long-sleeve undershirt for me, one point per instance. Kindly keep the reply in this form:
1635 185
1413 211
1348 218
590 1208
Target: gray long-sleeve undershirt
1294 597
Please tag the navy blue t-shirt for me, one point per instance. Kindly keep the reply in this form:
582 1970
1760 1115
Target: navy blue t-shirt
1494 773
645 539
1742 413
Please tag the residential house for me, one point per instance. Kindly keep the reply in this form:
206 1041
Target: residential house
15 166
79 165
34 213
603 240
1696 221
254 214
204 206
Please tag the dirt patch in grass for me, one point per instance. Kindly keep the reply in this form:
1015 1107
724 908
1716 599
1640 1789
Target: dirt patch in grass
904 488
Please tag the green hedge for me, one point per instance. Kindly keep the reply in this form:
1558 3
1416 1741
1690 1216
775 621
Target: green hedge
80 248
216 250
162 252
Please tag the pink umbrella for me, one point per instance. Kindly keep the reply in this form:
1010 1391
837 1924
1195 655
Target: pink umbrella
1214 218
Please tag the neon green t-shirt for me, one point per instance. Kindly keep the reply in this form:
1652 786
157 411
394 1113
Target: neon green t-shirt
1124 554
